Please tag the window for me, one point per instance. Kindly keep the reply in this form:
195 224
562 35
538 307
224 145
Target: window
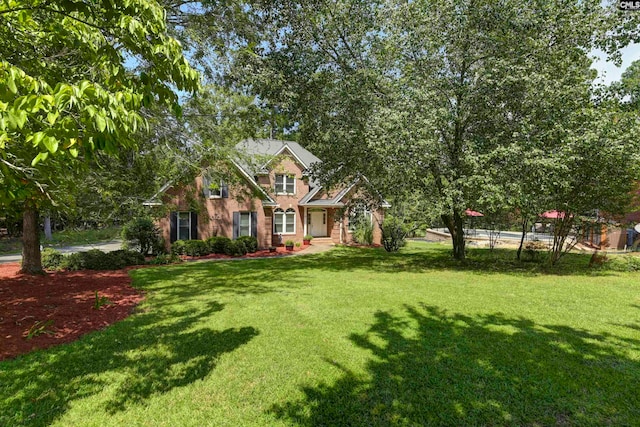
214 190
245 224
284 222
359 216
184 225
285 184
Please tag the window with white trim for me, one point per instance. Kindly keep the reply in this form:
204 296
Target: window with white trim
284 222
245 224
359 215
214 189
183 229
285 184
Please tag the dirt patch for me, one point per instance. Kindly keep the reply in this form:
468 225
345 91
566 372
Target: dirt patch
42 311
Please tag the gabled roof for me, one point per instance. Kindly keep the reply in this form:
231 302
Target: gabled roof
275 147
270 149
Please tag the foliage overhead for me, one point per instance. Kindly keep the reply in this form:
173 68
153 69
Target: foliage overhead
74 76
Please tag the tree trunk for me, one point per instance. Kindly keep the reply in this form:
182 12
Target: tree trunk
525 222
47 227
31 260
455 225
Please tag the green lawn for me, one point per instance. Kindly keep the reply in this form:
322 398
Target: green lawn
64 238
350 337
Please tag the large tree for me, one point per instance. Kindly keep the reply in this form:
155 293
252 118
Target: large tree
439 97
74 76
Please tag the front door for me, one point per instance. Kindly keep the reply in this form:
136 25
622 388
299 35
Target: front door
318 223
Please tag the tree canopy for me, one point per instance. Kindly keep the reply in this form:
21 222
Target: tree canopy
74 76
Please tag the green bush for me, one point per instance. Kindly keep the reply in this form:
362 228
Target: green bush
52 259
129 257
142 234
178 247
163 259
236 248
250 242
394 234
363 233
73 262
95 259
621 263
218 244
196 248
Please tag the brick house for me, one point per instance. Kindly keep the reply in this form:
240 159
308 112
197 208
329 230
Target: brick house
273 200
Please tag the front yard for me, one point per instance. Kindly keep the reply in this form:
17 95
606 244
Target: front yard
349 337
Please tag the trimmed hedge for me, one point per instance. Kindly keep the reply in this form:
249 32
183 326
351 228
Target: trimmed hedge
52 259
95 259
218 244
236 248
250 242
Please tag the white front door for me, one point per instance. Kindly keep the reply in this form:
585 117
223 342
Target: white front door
318 223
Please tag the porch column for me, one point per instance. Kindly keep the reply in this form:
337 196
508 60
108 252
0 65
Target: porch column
303 212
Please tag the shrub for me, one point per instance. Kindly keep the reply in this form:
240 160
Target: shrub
363 233
218 244
236 248
196 248
250 242
52 259
163 259
141 233
94 259
621 263
129 257
73 262
394 234
178 247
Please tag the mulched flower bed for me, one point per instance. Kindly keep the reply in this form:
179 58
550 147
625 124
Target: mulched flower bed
38 312
63 304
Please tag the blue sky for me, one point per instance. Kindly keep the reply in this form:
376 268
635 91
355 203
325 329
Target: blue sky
607 71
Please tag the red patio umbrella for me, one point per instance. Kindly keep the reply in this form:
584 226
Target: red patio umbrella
469 212
552 214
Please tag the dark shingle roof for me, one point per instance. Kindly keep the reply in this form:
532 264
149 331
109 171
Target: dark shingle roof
273 147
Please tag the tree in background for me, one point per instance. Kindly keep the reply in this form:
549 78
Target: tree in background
67 90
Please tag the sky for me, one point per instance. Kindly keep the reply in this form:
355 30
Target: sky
607 71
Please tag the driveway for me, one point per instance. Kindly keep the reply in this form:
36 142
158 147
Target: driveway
103 246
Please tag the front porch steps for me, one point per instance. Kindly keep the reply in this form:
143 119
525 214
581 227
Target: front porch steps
322 241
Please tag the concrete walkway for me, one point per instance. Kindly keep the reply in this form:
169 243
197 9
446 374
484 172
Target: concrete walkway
103 246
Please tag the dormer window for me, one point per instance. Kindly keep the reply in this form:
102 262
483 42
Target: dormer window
285 184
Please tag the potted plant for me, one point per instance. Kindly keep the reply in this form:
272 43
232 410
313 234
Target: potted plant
306 240
289 245
272 248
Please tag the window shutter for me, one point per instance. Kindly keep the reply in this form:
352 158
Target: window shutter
224 190
173 227
254 224
236 225
194 226
206 182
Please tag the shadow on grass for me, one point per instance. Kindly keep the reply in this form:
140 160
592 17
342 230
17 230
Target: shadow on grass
259 276
429 367
146 354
